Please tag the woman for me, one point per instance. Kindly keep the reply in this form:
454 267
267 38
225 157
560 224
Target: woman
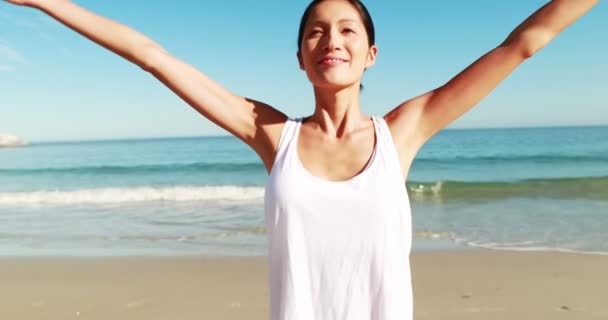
337 212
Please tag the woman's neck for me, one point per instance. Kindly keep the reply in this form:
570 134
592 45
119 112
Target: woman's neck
338 112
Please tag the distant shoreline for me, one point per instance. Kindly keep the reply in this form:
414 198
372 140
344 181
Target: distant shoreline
8 140
221 135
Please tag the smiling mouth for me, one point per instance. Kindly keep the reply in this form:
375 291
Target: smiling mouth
331 61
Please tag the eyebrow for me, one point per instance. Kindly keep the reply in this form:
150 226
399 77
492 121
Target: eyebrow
340 21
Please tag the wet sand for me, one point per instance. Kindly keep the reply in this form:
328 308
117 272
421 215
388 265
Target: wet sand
476 284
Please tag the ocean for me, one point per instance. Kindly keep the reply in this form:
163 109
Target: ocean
526 189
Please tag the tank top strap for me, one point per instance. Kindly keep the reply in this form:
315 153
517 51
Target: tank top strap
287 136
386 143
384 133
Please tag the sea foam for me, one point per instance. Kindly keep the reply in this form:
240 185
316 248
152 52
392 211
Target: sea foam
137 194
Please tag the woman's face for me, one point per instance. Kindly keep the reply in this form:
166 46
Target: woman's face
335 47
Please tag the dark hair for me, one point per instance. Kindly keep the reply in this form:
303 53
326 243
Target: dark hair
365 16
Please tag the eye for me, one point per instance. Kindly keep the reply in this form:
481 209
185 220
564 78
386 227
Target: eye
348 30
315 32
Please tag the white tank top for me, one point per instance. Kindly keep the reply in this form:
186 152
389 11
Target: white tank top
338 250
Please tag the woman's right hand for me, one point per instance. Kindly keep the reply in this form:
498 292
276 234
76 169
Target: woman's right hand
28 3
32 3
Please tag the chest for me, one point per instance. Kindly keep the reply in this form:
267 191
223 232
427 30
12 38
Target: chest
377 190
337 160
302 204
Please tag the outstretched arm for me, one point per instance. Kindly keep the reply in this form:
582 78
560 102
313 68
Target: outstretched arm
249 120
417 120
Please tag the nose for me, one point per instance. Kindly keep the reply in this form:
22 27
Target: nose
332 41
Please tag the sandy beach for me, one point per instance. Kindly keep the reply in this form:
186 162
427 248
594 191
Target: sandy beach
474 284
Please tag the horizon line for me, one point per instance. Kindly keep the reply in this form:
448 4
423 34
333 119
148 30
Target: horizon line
224 135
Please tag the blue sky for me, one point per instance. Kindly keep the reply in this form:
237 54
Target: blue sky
56 85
